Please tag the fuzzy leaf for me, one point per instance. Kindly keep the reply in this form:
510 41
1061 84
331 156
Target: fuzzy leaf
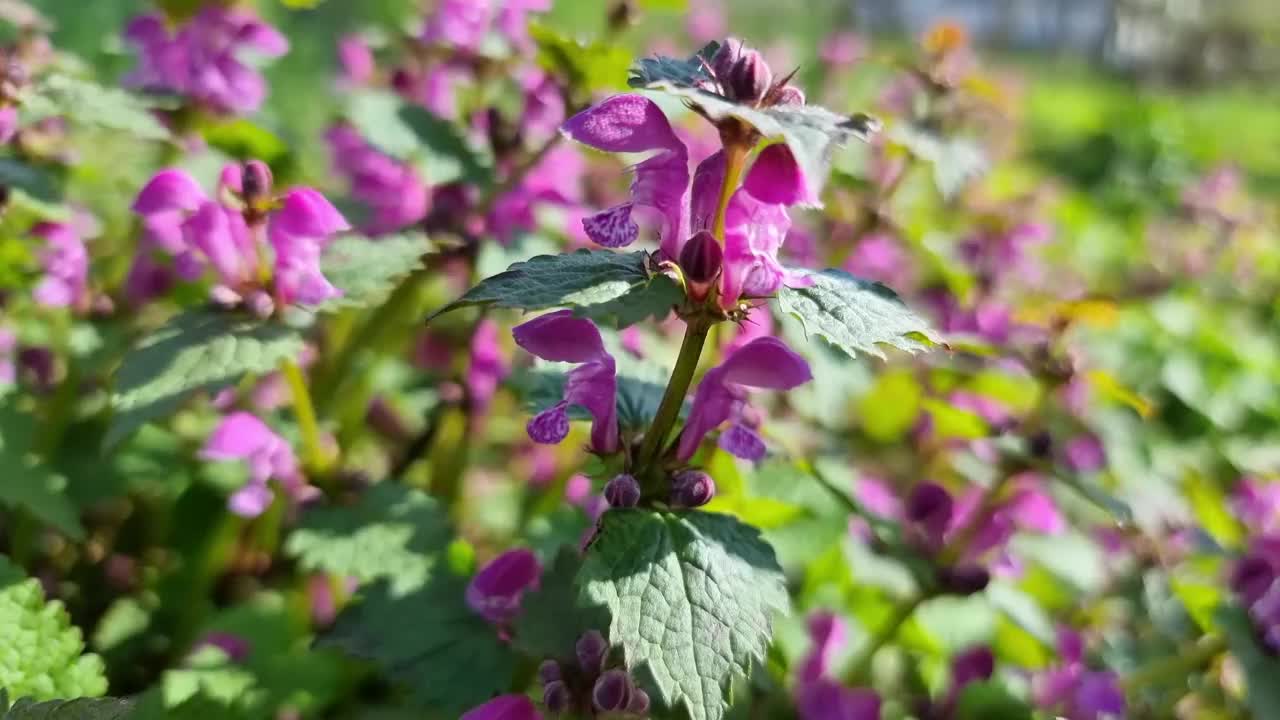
855 315
78 709
1260 667
550 623
40 650
597 283
449 657
956 160
197 350
368 270
87 103
691 596
392 533
651 71
28 483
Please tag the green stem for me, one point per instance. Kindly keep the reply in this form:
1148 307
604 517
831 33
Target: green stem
1176 667
861 667
313 456
735 160
695 336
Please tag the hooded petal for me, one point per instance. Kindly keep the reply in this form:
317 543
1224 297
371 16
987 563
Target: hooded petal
560 337
775 178
594 386
238 436
754 232
251 500
306 213
298 278
169 190
211 231
765 362
505 707
496 590
260 37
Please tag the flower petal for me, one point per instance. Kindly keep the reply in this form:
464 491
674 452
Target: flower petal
306 213
505 707
560 337
170 189
237 437
612 228
775 178
496 590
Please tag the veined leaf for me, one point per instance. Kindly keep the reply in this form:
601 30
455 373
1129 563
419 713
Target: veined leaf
87 103
855 315
367 270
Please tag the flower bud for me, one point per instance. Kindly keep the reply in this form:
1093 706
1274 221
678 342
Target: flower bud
612 692
622 492
555 697
722 62
639 704
1040 445
256 183
750 79
692 488
929 508
592 650
789 95
549 672
700 260
964 580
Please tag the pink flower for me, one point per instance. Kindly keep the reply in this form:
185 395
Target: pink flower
706 21
1084 453
8 123
1257 503
879 257
842 49
460 23
817 696
496 590
356 60
243 437
513 24
765 363
554 181
543 104
8 351
1075 691
393 190
505 707
66 265
230 236
561 337
662 195
488 366
200 59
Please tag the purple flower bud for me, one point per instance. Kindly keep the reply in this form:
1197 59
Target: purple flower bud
639 704
789 95
974 665
36 366
612 692
1252 577
622 492
550 426
256 182
722 62
930 508
555 697
495 592
1040 445
592 650
750 78
692 488
701 259
549 672
967 579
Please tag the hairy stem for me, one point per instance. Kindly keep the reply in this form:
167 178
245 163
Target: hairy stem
695 337
735 159
313 455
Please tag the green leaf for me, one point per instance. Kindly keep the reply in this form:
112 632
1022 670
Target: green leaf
956 161
589 67
392 533
449 657
78 709
35 182
691 597
597 283
196 350
243 139
651 71
87 103
855 315
40 650
412 134
990 700
28 483
368 270
1260 667
550 622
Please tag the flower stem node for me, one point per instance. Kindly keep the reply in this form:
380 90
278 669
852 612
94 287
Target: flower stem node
692 488
622 492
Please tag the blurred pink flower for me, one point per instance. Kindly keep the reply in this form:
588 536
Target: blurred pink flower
505 707
496 590
488 366
66 265
243 437
395 193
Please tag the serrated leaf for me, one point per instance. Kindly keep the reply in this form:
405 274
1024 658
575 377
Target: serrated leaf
40 650
989 700
650 71
393 533
448 656
1260 667
87 103
956 160
550 622
691 597
412 134
368 270
196 350
27 483
855 315
596 283
78 709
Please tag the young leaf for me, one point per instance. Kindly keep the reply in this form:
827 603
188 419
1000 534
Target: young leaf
598 283
855 315
449 656
197 350
990 700
691 596
28 483
1260 667
40 650
367 270
549 622
90 104
593 67
393 533
78 709
956 160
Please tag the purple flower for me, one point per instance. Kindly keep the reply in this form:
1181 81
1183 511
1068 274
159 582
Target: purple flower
237 648
1257 503
554 181
393 190
842 49
543 103
8 123
879 257
201 59
66 266
661 194
462 24
1075 691
705 21
829 636
496 590
230 237
1255 580
1085 453
8 351
488 366
243 437
356 60
818 697
505 707
765 363
513 24
561 337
